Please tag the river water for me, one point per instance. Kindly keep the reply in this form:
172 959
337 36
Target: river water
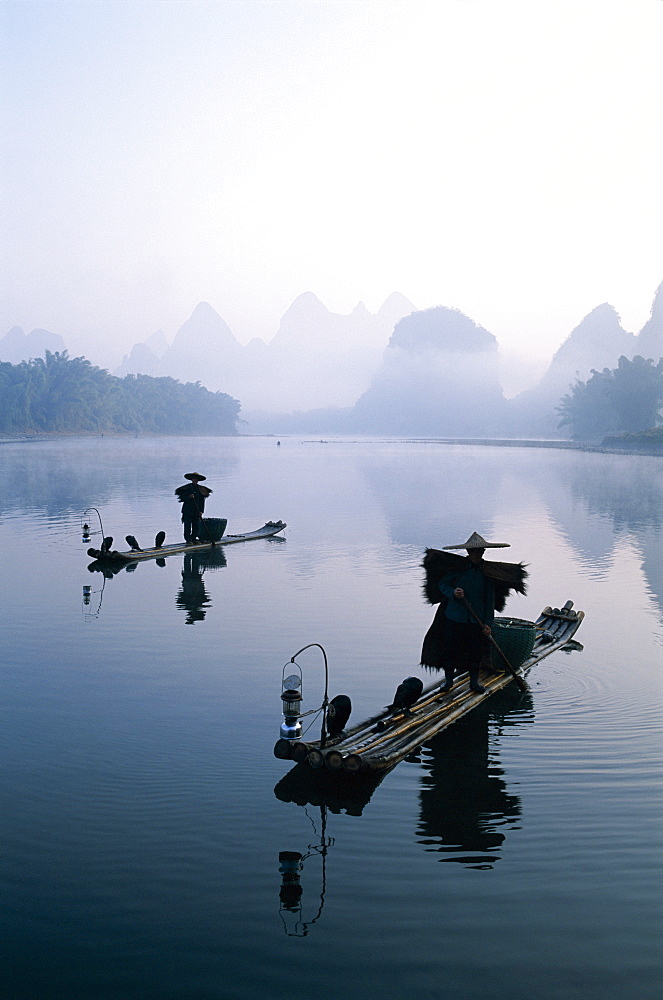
143 812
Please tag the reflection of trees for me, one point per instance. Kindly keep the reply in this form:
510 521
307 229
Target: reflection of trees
66 476
465 805
433 494
621 496
192 596
624 488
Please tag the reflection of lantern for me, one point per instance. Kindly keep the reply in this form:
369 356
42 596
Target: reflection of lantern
290 865
291 698
87 591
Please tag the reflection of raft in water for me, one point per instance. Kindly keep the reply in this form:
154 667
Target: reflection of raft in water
385 739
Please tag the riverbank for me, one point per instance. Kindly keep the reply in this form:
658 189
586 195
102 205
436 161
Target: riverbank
637 446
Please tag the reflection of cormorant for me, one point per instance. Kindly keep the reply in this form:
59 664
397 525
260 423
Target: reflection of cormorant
338 791
109 569
193 597
465 804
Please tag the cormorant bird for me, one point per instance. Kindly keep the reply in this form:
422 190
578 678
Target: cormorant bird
406 694
160 539
107 544
338 714
132 543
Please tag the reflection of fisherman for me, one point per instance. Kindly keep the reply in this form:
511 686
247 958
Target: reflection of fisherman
466 807
193 597
192 496
455 642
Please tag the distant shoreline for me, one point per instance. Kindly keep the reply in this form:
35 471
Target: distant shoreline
652 451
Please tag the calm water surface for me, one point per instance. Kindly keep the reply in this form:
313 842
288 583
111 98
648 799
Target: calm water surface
516 855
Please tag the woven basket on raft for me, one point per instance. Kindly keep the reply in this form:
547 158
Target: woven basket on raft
214 528
515 638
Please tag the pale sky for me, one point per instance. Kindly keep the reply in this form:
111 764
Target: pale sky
497 156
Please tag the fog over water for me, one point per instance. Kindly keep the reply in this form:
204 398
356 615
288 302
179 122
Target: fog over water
144 812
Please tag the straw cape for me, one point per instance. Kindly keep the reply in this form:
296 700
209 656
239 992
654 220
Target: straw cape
506 577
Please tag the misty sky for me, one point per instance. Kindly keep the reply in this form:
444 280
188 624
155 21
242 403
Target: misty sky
501 157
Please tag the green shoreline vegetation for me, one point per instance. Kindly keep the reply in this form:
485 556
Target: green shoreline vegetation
616 411
62 395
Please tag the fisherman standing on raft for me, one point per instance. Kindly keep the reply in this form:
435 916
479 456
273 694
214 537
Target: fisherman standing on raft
192 496
456 642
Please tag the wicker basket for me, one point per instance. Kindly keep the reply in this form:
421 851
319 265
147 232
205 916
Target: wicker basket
213 528
515 637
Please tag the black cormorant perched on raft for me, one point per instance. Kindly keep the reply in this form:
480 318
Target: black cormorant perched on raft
407 692
338 714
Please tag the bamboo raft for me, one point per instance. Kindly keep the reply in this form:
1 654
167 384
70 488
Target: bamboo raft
268 530
382 741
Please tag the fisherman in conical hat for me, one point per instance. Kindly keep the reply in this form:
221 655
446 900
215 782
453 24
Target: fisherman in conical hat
456 642
192 496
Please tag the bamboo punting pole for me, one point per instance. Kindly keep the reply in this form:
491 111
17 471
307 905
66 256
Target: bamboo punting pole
518 679
403 746
365 749
392 756
385 740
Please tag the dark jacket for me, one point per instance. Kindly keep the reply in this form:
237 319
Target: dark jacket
192 497
442 569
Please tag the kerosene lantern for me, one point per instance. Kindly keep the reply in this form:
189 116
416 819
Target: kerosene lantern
291 698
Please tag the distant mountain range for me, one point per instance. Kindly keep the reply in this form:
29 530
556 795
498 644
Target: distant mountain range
17 346
317 358
596 343
397 371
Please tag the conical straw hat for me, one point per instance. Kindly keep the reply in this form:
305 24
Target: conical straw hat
475 541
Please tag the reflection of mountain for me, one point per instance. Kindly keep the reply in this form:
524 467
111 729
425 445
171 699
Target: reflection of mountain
465 806
436 494
442 496
606 498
